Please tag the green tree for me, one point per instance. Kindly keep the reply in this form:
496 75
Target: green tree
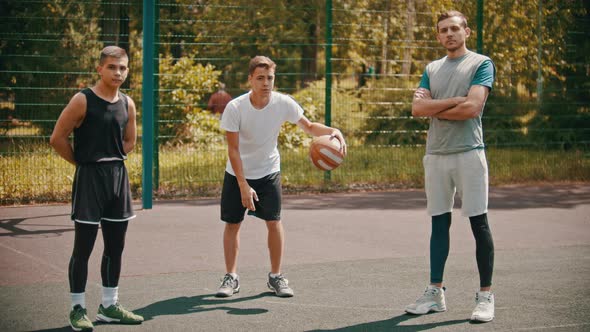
183 84
48 50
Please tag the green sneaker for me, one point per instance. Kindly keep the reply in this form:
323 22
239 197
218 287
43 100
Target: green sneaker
79 320
117 314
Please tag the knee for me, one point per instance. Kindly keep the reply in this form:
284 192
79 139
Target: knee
80 257
113 249
479 223
113 253
274 226
232 228
81 253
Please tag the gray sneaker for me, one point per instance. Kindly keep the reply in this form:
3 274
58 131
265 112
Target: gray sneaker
280 286
229 286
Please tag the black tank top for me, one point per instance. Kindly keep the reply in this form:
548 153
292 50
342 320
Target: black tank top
100 136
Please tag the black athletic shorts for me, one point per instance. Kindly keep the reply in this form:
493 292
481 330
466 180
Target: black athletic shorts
101 192
268 206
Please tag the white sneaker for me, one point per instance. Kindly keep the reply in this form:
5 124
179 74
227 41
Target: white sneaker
433 299
484 307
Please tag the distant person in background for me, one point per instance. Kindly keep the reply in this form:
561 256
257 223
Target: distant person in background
218 100
362 76
452 94
103 122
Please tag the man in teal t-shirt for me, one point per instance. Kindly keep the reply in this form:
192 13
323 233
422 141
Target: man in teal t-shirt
452 93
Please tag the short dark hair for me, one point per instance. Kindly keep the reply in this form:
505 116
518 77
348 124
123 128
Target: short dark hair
452 13
260 61
112 51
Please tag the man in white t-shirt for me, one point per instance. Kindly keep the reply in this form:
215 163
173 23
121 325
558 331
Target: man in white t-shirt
252 176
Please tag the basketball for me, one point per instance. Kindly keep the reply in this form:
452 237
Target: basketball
324 152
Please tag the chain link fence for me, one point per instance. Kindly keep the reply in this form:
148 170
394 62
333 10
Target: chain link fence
367 55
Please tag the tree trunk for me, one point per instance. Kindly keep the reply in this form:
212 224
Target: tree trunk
309 51
407 57
384 47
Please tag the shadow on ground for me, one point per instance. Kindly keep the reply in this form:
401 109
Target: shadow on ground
188 305
392 324
12 227
200 303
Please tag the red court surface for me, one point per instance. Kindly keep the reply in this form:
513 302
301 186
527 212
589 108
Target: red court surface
354 260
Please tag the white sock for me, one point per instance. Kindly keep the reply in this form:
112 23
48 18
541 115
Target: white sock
78 298
110 296
233 275
274 275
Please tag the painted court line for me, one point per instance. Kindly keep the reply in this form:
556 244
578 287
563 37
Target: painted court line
550 327
38 260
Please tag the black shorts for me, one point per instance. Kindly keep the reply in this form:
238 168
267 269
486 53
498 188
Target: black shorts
268 206
101 192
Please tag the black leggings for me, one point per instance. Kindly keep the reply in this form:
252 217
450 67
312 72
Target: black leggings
113 234
484 248
439 247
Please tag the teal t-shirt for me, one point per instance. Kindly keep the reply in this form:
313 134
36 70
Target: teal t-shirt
483 76
447 78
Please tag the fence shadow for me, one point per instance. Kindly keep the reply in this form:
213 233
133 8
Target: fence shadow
11 227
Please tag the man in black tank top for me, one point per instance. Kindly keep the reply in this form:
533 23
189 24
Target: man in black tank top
103 122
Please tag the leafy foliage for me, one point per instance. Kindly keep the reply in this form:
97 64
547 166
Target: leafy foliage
46 49
183 85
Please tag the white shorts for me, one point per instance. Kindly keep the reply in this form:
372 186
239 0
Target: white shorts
465 173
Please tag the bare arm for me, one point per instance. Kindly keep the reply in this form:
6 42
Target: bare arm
71 117
424 106
233 150
318 129
131 130
469 109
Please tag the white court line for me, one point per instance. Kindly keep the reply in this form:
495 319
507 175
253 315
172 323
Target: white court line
38 260
549 327
32 258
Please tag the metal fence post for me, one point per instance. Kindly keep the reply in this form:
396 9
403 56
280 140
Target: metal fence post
147 102
328 100
480 26
156 109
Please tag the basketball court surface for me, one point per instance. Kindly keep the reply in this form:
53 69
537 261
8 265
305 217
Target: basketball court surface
354 260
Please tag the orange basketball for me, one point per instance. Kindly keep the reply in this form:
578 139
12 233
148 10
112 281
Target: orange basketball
324 152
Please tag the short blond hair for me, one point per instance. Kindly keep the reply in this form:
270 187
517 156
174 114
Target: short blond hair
112 51
261 61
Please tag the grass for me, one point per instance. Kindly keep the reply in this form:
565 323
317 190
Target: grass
41 176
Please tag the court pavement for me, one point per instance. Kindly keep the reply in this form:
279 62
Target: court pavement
354 260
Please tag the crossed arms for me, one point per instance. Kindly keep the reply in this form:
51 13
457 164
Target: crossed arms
455 108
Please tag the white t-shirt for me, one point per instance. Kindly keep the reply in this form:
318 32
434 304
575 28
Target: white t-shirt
259 131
